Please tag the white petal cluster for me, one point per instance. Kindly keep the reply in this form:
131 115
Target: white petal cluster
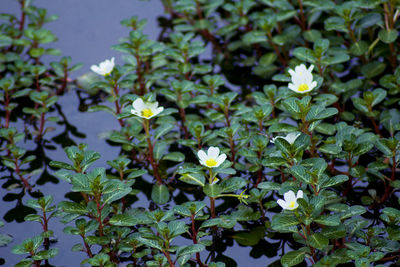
290 200
104 68
302 79
212 159
290 138
145 110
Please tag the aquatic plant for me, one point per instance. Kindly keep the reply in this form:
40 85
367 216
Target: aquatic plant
237 105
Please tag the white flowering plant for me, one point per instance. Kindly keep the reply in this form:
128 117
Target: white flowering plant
264 132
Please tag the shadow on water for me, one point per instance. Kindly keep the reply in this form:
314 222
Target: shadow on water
86 31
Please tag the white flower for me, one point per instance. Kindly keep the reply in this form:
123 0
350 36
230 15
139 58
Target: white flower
290 202
104 68
302 79
290 138
145 110
212 159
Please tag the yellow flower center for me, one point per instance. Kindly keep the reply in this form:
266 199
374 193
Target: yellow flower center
211 163
303 87
291 204
147 112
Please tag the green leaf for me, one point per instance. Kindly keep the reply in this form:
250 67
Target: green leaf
269 186
330 149
46 254
61 165
304 54
24 263
189 250
292 258
193 178
353 211
175 156
333 232
362 148
72 207
282 127
291 105
150 243
379 95
283 146
254 37
373 69
336 59
284 223
160 194
162 130
212 190
114 190
318 240
5 40
232 184
101 108
335 180
33 217
326 113
328 220
388 36
300 173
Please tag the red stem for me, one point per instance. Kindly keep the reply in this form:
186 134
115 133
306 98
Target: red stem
194 238
8 113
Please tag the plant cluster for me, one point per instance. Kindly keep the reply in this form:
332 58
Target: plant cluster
271 123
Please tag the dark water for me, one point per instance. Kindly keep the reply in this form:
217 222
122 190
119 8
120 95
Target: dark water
86 30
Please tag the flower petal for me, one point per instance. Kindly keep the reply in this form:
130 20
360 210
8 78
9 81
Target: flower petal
202 155
203 163
220 159
138 104
291 137
213 152
289 196
152 105
158 110
282 203
313 85
292 87
300 194
135 112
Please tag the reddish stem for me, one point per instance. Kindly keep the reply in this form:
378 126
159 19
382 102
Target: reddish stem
117 106
8 113
194 239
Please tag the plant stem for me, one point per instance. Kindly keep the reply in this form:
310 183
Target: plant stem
166 253
182 113
22 21
139 74
194 239
146 125
117 106
88 250
99 220
45 229
64 82
24 181
302 17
